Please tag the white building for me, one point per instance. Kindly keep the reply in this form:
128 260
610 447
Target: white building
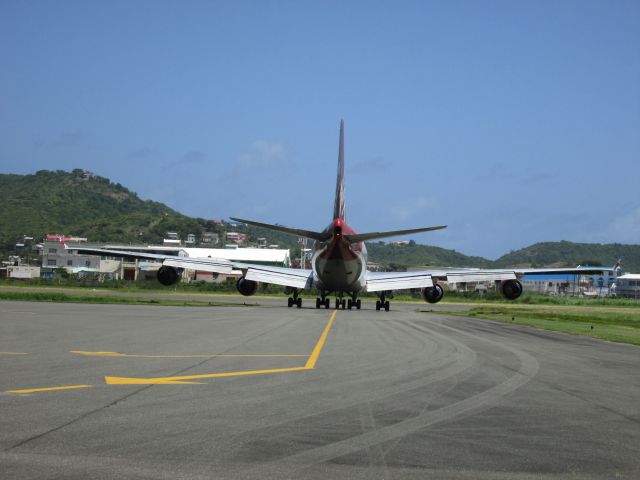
627 286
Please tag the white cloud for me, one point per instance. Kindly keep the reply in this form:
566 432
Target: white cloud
412 209
263 154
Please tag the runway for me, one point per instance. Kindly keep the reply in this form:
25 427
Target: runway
265 391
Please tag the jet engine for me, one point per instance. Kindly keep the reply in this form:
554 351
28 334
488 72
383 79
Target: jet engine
168 275
433 294
246 287
511 289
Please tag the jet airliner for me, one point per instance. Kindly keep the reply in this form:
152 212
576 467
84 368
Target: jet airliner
339 264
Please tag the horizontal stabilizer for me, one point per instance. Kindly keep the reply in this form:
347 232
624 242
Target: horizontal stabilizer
291 231
363 237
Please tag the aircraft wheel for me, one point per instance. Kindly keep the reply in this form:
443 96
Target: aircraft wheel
377 304
327 303
298 302
343 303
386 306
358 304
317 303
349 304
289 302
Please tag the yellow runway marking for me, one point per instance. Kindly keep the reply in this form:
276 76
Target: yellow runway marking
311 362
212 355
184 379
12 353
49 389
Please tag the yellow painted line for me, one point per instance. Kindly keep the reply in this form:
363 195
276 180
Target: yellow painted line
12 353
184 379
311 362
48 389
181 379
212 355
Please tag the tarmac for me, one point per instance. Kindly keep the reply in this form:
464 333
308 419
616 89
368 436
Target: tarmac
266 391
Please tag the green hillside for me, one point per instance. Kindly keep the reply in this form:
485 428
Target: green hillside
413 254
570 254
74 203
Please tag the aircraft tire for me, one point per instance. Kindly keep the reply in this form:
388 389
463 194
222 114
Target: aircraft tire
289 302
386 306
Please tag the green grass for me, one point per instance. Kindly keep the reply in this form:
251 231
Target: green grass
617 324
121 300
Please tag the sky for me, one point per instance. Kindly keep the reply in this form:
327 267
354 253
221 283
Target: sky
510 122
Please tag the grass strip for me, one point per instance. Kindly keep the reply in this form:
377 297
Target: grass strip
613 324
120 300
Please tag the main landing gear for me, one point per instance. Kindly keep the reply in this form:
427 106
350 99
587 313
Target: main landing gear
341 303
294 299
383 302
323 301
348 303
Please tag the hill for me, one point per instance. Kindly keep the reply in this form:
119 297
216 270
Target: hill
90 206
84 205
569 254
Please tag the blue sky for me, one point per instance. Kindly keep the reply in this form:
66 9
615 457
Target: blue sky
511 122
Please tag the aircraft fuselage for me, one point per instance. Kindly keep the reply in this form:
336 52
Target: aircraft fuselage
339 265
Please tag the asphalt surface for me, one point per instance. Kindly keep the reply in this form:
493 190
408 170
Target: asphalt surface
403 394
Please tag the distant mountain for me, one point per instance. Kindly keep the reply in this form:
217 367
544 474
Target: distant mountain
81 204
413 254
571 254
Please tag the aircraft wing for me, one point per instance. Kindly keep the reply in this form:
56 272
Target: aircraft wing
288 277
379 281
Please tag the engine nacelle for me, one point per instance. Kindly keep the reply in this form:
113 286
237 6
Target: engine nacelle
511 289
246 287
433 294
168 275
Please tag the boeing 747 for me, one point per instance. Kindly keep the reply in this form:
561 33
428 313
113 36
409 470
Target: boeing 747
339 264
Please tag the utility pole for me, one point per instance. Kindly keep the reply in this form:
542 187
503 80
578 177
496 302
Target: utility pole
303 251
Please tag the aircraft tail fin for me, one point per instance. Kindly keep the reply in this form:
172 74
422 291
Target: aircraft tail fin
291 231
338 207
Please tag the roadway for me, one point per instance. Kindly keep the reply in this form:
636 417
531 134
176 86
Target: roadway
110 391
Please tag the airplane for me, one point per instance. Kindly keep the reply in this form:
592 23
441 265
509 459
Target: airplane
339 264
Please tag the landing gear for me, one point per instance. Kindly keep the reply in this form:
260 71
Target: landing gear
354 302
323 301
341 303
295 299
383 302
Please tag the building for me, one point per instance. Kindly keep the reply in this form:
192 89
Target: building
54 255
570 284
627 286
210 238
20 271
236 237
